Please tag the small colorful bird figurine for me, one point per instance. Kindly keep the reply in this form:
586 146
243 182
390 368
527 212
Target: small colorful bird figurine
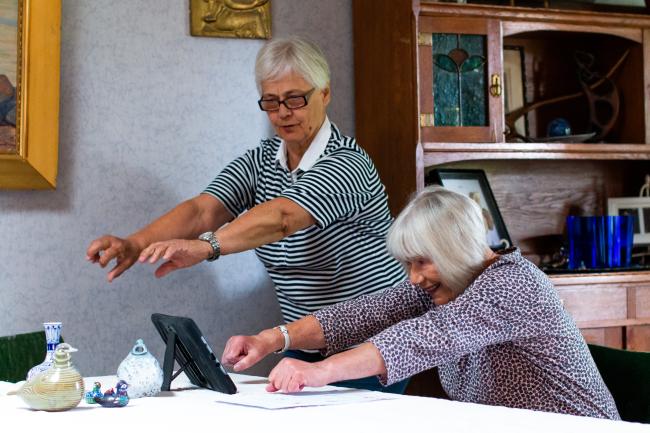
96 392
114 398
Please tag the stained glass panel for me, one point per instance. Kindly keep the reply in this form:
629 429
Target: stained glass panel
459 80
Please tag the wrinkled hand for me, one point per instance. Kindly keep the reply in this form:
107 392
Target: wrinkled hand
106 248
292 375
178 253
243 351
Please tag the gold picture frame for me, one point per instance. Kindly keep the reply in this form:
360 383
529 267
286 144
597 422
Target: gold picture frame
231 18
32 162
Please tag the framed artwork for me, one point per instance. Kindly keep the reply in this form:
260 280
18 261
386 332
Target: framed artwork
30 33
474 184
639 208
231 18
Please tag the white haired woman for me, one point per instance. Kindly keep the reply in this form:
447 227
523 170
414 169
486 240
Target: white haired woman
309 201
492 323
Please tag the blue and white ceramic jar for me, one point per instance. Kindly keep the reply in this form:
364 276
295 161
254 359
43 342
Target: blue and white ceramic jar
52 339
141 371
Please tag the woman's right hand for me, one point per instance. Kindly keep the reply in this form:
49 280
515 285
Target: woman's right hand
244 351
106 248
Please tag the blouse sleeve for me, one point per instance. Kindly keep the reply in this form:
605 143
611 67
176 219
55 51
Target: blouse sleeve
480 317
337 186
353 322
235 185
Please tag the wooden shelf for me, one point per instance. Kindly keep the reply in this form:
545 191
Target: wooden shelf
441 153
604 278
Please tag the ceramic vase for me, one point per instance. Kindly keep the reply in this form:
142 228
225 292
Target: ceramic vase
52 338
59 388
141 371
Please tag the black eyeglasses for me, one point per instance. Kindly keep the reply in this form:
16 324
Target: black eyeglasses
291 102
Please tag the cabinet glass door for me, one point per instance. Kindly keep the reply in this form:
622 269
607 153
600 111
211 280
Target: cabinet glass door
460 80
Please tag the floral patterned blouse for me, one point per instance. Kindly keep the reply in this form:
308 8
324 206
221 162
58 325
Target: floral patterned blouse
506 341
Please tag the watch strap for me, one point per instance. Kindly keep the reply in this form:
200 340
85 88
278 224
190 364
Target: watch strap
287 339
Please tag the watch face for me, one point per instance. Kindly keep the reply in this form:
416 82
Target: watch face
207 236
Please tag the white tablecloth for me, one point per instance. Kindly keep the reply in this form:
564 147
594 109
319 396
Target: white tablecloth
195 410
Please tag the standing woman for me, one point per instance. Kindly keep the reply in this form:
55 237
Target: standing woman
309 201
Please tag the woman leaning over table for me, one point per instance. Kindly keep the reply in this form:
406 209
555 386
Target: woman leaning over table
309 201
492 323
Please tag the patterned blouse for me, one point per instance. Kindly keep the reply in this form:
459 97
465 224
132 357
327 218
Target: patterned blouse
506 341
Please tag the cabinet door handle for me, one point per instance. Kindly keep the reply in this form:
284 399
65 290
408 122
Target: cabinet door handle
495 87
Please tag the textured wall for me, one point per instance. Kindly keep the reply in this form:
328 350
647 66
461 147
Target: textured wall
148 116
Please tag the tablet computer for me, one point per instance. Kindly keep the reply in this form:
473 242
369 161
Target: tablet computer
186 345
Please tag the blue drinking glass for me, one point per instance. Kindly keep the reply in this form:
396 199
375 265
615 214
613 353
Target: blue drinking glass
583 242
627 239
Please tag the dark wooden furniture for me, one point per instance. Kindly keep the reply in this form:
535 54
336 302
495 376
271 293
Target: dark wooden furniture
536 184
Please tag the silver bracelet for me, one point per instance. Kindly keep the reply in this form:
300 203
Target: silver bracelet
287 340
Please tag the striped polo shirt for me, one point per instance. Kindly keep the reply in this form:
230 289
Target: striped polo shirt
344 254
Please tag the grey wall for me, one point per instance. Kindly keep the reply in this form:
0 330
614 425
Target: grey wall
148 116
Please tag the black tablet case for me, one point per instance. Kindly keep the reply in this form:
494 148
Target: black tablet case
186 344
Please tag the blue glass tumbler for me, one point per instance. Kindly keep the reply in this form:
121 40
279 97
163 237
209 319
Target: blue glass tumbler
582 235
600 241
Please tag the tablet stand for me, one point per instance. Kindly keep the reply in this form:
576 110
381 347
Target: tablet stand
170 357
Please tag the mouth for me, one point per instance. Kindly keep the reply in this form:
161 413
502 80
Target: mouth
431 289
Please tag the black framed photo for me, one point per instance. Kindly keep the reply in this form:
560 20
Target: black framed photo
474 184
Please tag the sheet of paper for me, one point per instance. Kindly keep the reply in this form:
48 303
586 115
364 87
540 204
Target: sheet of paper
306 398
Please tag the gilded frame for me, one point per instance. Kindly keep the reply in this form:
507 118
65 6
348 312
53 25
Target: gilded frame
231 18
34 163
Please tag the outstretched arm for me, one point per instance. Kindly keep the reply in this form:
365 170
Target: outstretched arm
244 351
291 375
265 223
187 220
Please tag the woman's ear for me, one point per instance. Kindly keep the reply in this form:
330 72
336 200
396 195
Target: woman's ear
326 96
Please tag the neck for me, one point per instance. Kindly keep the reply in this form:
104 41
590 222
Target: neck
295 152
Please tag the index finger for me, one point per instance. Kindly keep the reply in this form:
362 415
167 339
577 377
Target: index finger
99 244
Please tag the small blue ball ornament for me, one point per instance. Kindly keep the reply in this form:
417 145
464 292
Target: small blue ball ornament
558 127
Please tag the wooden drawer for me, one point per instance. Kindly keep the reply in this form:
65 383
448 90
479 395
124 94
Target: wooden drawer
595 303
610 337
639 301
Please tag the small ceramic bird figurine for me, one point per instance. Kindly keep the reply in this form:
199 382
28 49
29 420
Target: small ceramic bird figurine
61 387
96 392
117 398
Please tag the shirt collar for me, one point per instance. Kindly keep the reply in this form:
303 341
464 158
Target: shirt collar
314 151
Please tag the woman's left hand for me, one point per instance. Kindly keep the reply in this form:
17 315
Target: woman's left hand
292 375
178 253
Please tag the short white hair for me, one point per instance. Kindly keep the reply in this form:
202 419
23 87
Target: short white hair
445 227
293 54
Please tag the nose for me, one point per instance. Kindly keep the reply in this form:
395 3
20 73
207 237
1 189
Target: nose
414 275
284 112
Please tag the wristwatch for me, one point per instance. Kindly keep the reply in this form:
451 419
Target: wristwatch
214 243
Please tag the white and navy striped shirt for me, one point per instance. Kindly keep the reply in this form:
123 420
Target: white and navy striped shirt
344 255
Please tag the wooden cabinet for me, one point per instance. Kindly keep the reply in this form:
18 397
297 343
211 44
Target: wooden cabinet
536 182
610 309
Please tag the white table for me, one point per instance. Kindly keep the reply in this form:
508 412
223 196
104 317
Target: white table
195 410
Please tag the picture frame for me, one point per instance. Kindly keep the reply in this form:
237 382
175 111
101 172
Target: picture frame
32 162
231 18
639 207
474 184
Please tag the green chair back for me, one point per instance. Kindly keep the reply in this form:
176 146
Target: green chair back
627 375
19 353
